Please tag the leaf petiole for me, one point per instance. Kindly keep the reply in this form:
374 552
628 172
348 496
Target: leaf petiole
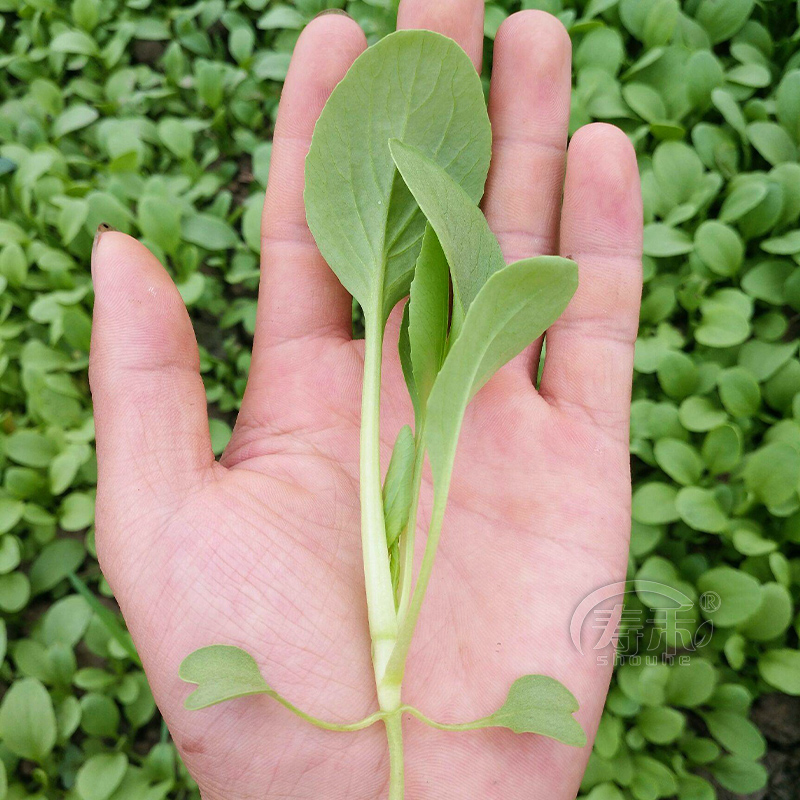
377 574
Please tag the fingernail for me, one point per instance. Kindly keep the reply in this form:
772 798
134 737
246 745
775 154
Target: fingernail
101 229
327 11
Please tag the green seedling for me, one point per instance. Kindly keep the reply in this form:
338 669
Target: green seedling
395 171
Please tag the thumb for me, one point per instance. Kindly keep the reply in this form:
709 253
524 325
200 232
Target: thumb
153 441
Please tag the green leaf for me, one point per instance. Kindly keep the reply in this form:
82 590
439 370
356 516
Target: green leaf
414 85
721 326
108 619
15 591
404 351
735 733
209 232
30 448
720 247
66 620
397 487
76 42
786 245
177 137
749 543
772 473
645 101
515 306
764 359
428 316
538 704
772 141
739 392
11 512
221 672
691 683
699 414
678 170
700 509
661 725
772 617
99 715
662 241
27 720
100 776
160 222
739 775
693 787
729 108
281 16
10 554
780 668
55 562
73 119
679 460
751 75
723 20
654 503
220 433
736 595
471 249
787 103
677 374
271 66
766 281
77 511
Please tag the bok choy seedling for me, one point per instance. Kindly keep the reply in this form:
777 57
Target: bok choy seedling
395 171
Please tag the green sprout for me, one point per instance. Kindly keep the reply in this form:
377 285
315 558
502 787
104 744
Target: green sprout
396 168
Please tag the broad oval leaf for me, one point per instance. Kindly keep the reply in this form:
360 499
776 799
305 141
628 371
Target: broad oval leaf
101 775
221 672
27 720
417 86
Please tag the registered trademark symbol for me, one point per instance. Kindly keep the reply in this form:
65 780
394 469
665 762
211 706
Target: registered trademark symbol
710 601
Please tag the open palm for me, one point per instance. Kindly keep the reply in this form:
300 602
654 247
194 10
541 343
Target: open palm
263 549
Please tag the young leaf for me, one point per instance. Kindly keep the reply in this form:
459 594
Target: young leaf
515 306
429 315
397 486
421 87
221 672
404 348
107 617
469 245
539 704
535 704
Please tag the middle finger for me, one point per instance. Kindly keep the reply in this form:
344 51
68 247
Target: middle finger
529 107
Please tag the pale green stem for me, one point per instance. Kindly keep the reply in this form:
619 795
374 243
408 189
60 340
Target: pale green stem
397 662
407 542
394 734
377 575
381 609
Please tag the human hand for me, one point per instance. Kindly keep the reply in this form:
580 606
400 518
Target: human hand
263 549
